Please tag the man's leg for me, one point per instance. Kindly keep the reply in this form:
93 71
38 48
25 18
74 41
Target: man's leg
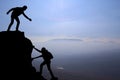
41 67
18 23
49 68
12 20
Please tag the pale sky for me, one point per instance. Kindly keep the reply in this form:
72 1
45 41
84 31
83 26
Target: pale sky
93 25
65 18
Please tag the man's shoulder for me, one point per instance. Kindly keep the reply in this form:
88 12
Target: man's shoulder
17 8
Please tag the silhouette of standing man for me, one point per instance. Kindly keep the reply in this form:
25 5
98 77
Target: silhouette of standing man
17 11
47 56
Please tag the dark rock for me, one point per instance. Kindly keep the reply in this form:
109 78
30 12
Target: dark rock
15 56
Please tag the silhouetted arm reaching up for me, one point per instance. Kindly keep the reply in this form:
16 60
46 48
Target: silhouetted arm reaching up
37 49
10 10
36 57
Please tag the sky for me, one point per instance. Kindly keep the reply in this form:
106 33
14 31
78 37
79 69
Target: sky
87 29
53 19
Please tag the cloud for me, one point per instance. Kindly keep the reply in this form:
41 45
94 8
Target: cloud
102 40
97 40
36 39
44 39
65 39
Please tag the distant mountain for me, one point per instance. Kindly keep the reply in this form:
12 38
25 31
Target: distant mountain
67 40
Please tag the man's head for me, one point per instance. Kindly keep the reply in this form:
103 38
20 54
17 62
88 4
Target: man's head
43 49
24 7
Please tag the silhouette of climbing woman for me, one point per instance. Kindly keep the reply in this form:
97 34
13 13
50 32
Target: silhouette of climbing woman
17 11
47 56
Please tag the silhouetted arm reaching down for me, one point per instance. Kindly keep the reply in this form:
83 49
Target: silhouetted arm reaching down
27 17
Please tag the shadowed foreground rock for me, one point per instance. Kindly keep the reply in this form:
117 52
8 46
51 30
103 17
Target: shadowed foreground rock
15 55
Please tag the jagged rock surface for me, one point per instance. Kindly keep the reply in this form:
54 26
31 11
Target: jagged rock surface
15 51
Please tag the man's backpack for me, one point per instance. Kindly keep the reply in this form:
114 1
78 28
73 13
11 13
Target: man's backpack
49 55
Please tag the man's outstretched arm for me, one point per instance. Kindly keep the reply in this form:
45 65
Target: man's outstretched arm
36 49
27 17
36 57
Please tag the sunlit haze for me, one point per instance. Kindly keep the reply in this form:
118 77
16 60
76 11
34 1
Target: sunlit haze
72 30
